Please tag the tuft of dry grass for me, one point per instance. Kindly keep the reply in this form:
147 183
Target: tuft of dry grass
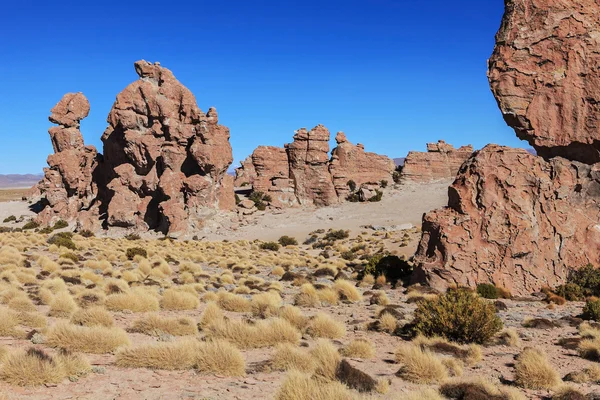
62 305
136 300
212 313
509 337
299 386
420 366
324 326
9 324
470 354
265 304
294 316
232 302
388 323
533 371
590 374
307 296
155 325
93 316
423 394
359 348
289 357
347 290
479 388
217 357
326 357
264 333
178 300
95 339
34 367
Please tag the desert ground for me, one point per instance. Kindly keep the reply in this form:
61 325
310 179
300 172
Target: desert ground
234 316
12 194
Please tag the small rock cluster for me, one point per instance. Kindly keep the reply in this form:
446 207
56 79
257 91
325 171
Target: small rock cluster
441 161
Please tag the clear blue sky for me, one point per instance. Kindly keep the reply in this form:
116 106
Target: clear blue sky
392 74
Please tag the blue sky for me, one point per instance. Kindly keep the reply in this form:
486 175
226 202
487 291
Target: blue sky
392 74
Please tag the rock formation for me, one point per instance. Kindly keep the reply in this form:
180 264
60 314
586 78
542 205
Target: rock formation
516 219
68 185
164 164
303 173
441 161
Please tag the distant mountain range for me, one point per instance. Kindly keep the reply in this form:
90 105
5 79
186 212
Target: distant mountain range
19 181
399 161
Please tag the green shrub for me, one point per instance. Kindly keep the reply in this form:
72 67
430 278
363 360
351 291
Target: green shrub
351 185
261 206
86 233
237 199
396 176
591 310
61 223
392 267
588 278
273 246
63 239
348 255
459 315
4 229
245 184
353 198
383 183
10 219
132 236
31 225
288 241
487 291
136 251
570 291
70 256
377 197
338 234
260 200
47 230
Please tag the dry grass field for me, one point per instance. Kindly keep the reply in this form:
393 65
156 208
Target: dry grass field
12 194
99 318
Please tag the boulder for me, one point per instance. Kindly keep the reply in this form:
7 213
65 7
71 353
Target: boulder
440 162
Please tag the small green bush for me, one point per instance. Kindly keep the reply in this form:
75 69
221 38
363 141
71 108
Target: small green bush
588 278
338 234
31 225
273 246
287 241
10 219
60 224
70 256
47 230
353 198
377 197
132 236
459 315
260 200
63 239
396 176
245 184
383 183
591 310
351 185
570 291
392 267
237 199
348 255
86 233
136 251
487 291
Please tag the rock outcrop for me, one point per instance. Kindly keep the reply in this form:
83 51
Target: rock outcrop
304 173
544 75
351 163
516 219
441 161
164 164
68 185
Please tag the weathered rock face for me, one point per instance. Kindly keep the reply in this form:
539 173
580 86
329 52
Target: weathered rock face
165 159
164 165
309 167
513 218
68 182
441 161
303 173
544 74
351 163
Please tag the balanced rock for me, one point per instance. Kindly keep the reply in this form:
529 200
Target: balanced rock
441 162
515 219
544 75
68 185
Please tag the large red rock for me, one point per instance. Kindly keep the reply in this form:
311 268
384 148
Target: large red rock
164 159
68 185
544 74
515 219
351 163
441 161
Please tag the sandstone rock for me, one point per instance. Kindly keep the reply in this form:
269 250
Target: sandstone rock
68 185
544 74
441 161
516 219
351 163
164 159
303 173
513 219
246 204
